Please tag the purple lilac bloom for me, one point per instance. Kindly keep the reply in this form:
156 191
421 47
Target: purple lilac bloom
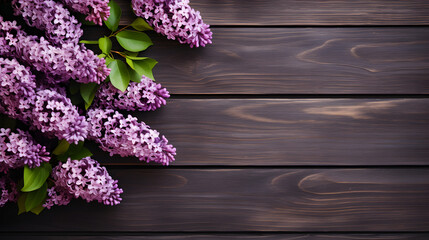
55 115
19 149
52 17
83 178
57 196
17 86
174 19
9 192
96 10
45 110
128 137
143 96
59 64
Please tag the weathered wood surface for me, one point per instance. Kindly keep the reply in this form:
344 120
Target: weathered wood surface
298 61
292 131
185 236
247 200
309 12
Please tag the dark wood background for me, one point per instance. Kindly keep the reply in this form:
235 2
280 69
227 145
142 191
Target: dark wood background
304 120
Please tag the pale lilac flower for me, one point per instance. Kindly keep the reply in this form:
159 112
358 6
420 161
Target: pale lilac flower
96 10
18 149
84 179
174 19
43 109
127 136
59 25
143 96
60 64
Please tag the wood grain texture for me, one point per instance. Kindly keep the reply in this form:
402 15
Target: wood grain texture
247 200
309 12
185 236
291 131
297 61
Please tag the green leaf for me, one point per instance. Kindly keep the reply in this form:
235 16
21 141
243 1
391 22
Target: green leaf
62 147
87 91
21 203
115 15
135 77
132 54
136 58
76 99
74 87
105 45
119 75
141 25
35 177
75 152
35 198
144 67
82 153
88 42
109 60
130 63
102 55
133 41
38 209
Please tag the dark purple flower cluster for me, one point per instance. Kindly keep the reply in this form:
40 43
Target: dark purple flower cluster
143 96
96 10
85 179
19 149
9 191
59 25
60 64
175 19
45 110
126 136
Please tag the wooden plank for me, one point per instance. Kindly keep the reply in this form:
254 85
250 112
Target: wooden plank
247 200
291 131
309 12
265 236
298 61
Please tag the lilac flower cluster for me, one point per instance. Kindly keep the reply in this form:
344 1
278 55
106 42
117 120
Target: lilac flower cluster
19 149
143 96
96 10
9 191
128 137
52 17
85 179
59 64
46 110
174 19
56 115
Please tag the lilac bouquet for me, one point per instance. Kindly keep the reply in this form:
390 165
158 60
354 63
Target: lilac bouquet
53 89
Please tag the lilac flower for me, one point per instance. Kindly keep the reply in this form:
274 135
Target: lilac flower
59 64
52 17
143 96
128 137
45 110
55 115
17 86
8 190
96 10
57 196
19 149
174 19
85 179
